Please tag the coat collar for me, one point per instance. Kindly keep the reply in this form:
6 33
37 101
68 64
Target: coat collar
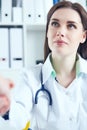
48 70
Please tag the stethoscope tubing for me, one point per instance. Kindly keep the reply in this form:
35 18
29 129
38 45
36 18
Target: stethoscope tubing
43 89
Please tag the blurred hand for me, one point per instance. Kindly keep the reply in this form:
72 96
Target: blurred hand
5 88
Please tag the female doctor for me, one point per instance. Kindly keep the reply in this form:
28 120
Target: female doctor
52 96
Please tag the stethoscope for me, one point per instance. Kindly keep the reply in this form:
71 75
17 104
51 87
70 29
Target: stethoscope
43 89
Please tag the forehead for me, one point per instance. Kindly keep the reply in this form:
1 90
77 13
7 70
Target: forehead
66 14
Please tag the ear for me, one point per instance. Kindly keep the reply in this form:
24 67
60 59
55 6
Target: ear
84 36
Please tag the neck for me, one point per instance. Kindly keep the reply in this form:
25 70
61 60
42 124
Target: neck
65 69
66 65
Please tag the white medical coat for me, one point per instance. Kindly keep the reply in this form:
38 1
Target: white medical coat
69 105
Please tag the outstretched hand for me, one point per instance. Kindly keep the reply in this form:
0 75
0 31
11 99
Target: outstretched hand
5 87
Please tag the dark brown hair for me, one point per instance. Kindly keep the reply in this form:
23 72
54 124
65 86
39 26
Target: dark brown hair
82 50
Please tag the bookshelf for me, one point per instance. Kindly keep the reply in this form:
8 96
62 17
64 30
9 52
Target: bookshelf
32 34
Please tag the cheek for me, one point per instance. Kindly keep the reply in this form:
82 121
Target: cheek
80 37
75 38
51 33
51 37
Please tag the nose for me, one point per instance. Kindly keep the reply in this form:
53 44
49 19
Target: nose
60 34
61 31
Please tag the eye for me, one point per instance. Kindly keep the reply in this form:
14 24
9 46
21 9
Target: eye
71 26
55 24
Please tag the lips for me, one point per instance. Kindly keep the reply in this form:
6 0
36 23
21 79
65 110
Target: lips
60 42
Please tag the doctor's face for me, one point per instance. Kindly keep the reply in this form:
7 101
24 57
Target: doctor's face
65 32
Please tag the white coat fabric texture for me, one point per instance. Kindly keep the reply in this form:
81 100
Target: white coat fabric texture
69 105
5 125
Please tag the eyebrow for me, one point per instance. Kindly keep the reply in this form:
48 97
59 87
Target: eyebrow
54 19
74 22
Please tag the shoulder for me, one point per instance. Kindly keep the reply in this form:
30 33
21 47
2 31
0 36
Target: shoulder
83 65
83 62
32 72
33 69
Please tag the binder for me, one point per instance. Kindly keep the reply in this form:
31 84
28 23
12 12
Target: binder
4 48
17 14
17 10
6 9
47 7
0 10
39 12
16 48
55 1
29 11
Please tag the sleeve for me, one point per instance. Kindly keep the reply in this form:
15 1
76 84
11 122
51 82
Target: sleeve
21 104
5 125
6 116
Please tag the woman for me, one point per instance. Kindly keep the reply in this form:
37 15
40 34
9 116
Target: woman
63 105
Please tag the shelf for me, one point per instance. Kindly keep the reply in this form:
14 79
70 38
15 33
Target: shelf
11 24
33 34
35 27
